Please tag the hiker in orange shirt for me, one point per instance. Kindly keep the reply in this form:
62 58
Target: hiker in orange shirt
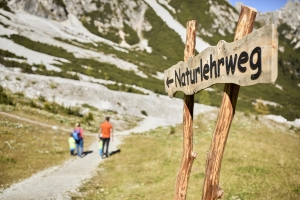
106 132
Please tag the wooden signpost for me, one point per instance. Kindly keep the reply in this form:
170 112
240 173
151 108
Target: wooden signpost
250 59
188 108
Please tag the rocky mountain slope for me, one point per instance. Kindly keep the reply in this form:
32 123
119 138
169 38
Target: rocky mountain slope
288 15
126 46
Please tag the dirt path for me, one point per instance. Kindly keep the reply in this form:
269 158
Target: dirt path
59 182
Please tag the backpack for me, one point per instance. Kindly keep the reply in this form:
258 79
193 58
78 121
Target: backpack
76 134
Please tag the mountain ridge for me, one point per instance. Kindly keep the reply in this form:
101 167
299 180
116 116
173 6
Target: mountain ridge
140 52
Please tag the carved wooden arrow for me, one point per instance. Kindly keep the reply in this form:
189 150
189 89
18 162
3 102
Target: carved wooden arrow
248 61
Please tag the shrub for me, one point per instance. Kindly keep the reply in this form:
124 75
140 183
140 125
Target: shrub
172 130
33 104
132 37
5 98
51 107
89 106
9 54
72 111
3 5
144 113
53 86
60 3
89 117
42 98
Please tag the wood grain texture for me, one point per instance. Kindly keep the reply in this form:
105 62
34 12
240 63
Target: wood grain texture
188 155
248 61
211 188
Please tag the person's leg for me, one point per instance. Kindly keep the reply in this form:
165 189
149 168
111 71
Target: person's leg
81 147
107 146
72 152
77 148
103 146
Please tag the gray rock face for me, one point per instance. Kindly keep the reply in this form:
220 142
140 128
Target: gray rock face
111 14
289 15
48 9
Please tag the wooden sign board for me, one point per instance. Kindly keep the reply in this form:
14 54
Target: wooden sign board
248 61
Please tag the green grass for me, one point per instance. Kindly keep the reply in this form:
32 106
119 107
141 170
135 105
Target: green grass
14 99
131 37
104 13
96 69
260 162
167 50
28 148
59 3
163 42
42 47
3 5
51 112
199 11
5 98
5 53
124 88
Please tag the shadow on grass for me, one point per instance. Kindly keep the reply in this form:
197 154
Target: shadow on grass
111 153
114 152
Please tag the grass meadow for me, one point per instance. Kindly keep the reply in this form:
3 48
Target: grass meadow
27 148
30 146
261 161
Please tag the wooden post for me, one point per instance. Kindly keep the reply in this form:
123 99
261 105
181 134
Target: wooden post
211 189
188 154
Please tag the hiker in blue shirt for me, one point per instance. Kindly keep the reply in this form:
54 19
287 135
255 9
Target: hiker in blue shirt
78 136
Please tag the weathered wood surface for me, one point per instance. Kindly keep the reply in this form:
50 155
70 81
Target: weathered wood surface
188 155
247 61
211 188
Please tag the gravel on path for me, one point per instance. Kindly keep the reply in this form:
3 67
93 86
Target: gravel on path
59 182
